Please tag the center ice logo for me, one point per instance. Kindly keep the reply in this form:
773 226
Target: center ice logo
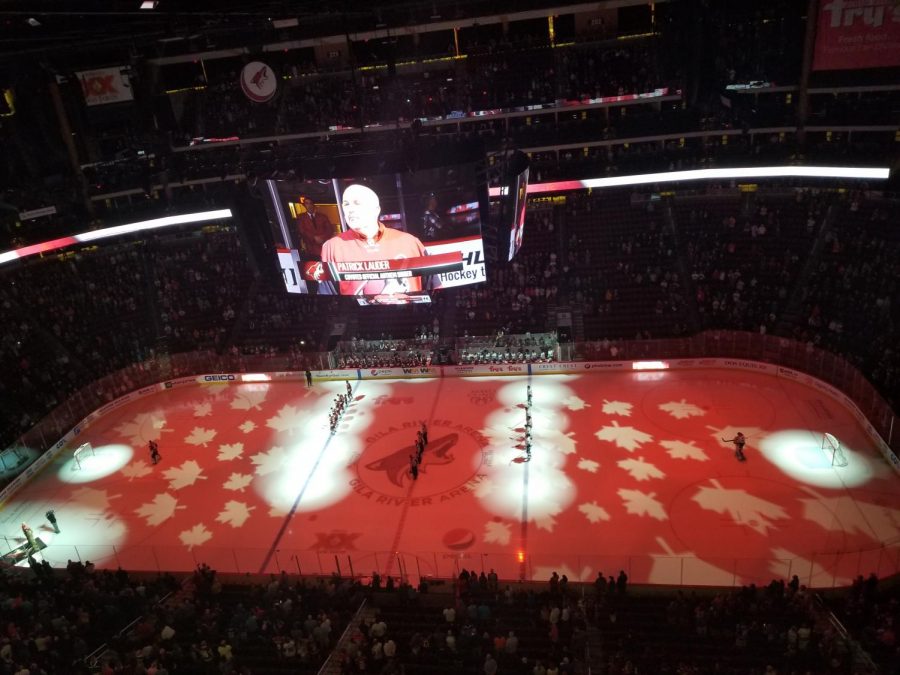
452 464
396 465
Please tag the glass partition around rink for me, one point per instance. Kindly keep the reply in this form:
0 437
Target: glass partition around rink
824 570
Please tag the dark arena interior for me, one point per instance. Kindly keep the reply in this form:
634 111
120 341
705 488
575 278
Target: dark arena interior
424 338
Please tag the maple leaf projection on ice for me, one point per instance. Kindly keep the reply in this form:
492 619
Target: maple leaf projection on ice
182 476
617 408
588 465
278 511
667 569
93 499
682 450
159 510
196 536
143 428
627 438
640 469
850 515
238 481
813 572
137 469
573 402
497 533
269 462
546 522
247 426
203 409
288 419
593 512
228 452
682 409
234 513
247 398
200 436
643 504
557 441
744 508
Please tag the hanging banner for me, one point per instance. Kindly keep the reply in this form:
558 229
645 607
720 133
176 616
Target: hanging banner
105 85
855 34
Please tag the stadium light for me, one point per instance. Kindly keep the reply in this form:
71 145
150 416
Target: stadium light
117 231
853 172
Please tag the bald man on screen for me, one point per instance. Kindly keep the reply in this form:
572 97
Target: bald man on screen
368 239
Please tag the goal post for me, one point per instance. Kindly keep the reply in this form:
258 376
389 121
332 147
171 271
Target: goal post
832 447
81 451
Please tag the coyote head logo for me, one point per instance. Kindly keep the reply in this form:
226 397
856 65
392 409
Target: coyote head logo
396 464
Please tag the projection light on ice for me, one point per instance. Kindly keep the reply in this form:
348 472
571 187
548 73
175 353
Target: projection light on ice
800 454
105 460
547 392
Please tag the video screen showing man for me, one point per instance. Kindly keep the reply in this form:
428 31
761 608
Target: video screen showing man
367 239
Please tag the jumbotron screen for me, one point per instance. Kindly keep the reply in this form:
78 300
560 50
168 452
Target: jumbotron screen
517 225
386 239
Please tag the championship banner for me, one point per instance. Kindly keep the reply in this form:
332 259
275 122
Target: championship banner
105 85
856 34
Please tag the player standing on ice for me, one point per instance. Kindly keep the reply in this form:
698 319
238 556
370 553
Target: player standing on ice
739 441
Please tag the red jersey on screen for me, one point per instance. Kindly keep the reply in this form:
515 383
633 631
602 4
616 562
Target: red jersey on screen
388 245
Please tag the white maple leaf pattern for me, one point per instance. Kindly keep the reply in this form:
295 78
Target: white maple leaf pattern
249 397
94 499
238 481
203 409
643 504
497 533
137 469
617 408
593 512
744 508
228 452
195 536
627 438
682 409
269 462
881 523
556 440
143 428
812 570
682 450
575 403
247 426
588 465
289 419
234 513
159 510
546 522
640 469
182 476
200 436
278 512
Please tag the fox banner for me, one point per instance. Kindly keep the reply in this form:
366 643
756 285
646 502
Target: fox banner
855 34
105 85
